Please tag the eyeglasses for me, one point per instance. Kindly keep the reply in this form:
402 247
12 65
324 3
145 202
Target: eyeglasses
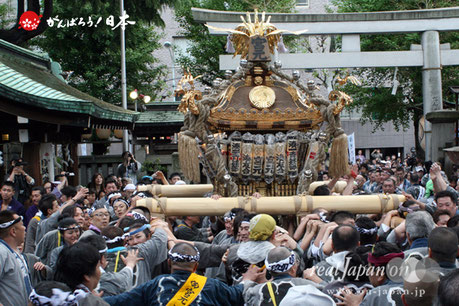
102 215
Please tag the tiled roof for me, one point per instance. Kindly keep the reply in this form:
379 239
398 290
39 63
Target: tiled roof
27 78
160 118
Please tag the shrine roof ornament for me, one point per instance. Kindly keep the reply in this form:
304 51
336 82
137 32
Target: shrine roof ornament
240 37
189 94
260 128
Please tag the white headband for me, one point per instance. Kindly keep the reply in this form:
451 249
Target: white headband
116 239
281 266
115 194
10 223
63 229
229 216
184 257
59 298
367 231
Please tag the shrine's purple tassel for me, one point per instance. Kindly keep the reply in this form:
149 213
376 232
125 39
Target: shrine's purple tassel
281 47
229 45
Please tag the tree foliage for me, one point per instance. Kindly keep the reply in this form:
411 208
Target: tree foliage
92 54
374 98
205 49
16 34
3 15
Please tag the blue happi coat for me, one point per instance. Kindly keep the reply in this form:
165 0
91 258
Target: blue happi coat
162 288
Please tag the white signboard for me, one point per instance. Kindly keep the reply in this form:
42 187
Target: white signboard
351 148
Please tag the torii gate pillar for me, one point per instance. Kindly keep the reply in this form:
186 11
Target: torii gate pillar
431 87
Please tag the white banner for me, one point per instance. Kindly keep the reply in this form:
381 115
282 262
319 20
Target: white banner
351 148
47 161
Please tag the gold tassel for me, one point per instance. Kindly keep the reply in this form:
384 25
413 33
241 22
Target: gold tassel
339 158
188 156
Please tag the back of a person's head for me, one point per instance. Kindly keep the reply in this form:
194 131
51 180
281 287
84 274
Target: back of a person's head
142 210
111 233
183 255
456 230
69 191
382 254
368 230
453 221
96 241
5 216
414 178
74 262
262 227
126 222
184 248
341 216
58 292
448 295
46 202
69 211
408 203
322 190
420 289
382 248
443 244
356 263
415 191
277 254
345 238
419 224
276 260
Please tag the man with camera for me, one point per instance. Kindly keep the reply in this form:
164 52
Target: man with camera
21 180
128 168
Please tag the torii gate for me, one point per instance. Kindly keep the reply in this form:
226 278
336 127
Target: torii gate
430 54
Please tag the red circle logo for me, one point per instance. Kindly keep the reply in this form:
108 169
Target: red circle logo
29 21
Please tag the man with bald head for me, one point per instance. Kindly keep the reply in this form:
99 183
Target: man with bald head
345 238
443 247
183 285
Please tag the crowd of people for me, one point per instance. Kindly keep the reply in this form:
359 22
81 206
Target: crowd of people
92 245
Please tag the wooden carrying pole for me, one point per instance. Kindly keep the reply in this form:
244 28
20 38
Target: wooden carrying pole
367 204
174 191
